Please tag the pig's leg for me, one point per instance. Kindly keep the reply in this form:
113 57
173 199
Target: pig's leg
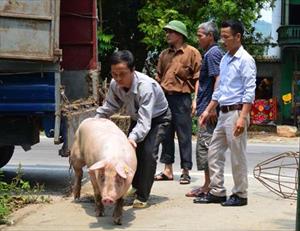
77 165
77 183
98 203
118 211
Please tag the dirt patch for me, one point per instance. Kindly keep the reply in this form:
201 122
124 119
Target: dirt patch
268 137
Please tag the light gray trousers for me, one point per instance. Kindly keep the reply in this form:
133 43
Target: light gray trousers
223 139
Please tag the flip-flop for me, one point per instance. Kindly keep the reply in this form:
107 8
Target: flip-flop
162 177
194 192
185 179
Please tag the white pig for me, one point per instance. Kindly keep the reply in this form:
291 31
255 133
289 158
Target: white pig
111 160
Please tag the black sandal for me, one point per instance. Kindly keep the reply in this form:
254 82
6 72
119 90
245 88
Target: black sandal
185 179
162 177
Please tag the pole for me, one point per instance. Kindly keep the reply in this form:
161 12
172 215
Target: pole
298 195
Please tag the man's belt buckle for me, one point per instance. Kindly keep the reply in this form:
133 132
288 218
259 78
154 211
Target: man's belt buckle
227 108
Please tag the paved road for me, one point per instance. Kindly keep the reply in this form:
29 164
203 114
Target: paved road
169 209
42 164
45 154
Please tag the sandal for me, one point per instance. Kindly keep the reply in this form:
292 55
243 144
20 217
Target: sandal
162 177
131 192
185 179
194 192
137 204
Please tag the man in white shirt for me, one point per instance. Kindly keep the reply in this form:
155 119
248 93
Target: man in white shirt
235 94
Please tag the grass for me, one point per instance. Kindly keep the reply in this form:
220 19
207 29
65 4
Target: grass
194 125
17 194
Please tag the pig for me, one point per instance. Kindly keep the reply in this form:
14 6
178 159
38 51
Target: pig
111 160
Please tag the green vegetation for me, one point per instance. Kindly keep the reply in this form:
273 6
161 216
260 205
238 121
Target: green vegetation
137 25
16 194
194 125
155 14
105 44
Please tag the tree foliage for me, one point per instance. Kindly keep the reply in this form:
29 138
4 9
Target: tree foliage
137 25
155 14
118 29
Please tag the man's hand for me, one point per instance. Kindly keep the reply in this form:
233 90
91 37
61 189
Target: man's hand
202 119
194 105
240 126
213 117
133 143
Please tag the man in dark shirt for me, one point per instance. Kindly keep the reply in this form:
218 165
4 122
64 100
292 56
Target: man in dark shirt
209 74
234 94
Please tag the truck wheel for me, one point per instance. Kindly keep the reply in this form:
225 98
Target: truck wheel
6 153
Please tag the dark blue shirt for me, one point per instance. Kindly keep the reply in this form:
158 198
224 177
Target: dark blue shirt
210 68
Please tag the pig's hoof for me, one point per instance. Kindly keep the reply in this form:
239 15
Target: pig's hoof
118 221
99 213
76 196
76 199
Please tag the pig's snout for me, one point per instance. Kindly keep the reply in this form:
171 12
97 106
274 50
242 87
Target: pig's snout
107 201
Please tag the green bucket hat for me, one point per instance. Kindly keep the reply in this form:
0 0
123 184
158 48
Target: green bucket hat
177 26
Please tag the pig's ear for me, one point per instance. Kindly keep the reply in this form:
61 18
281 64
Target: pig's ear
123 170
97 165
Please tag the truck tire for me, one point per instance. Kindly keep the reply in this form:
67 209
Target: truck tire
6 153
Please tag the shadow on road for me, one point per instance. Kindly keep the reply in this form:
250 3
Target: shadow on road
56 180
106 222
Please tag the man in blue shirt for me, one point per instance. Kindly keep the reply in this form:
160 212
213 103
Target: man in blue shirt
235 94
208 35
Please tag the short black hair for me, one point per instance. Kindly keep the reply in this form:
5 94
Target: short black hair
235 25
123 56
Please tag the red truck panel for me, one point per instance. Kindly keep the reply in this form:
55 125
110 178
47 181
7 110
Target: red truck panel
78 34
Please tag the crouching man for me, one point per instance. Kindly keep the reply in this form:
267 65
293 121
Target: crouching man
148 108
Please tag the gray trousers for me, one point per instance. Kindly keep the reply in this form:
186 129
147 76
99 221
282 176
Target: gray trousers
204 136
223 139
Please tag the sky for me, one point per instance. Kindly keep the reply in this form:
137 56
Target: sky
266 15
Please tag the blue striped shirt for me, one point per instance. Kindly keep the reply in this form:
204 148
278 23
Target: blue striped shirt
237 79
210 68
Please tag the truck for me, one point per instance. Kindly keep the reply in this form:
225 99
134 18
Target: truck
49 71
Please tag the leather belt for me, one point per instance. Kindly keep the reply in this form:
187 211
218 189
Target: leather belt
174 93
227 108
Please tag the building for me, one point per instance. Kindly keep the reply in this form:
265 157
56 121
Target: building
289 43
281 67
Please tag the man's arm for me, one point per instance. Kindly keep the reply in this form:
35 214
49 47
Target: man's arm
194 103
196 76
213 114
196 66
145 111
211 107
242 120
111 105
158 76
249 80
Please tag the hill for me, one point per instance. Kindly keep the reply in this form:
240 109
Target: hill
263 27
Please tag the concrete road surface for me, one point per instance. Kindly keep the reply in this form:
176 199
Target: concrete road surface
169 209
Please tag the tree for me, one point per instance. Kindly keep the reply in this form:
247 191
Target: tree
155 14
118 29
